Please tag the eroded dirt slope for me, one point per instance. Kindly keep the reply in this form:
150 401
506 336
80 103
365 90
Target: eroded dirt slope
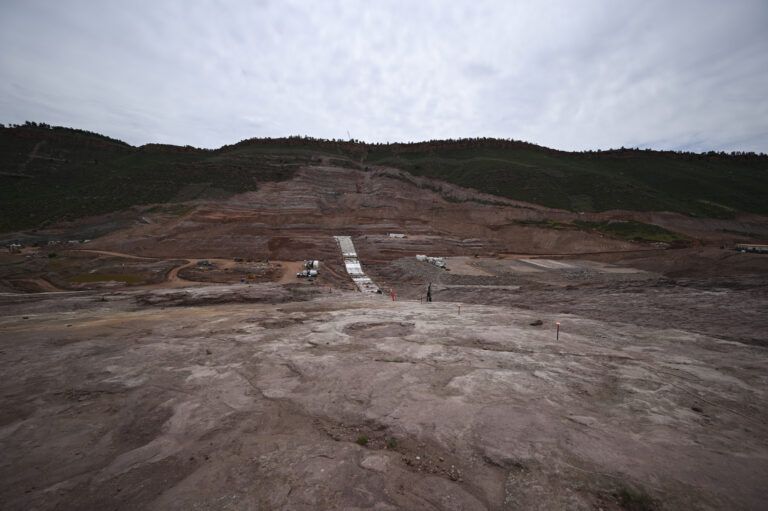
300 216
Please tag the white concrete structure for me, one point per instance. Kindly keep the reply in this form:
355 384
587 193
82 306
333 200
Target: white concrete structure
548 264
354 268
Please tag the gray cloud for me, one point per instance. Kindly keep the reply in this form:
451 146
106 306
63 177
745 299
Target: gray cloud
593 74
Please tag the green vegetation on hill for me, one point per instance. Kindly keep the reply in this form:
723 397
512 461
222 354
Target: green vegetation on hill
631 230
58 174
52 173
619 229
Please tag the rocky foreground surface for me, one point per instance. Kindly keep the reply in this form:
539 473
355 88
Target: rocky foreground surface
142 400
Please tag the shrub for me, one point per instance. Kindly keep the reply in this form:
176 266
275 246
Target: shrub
634 500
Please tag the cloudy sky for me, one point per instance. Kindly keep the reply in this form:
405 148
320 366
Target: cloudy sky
668 74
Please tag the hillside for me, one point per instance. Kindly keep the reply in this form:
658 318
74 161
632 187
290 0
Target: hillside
709 185
51 173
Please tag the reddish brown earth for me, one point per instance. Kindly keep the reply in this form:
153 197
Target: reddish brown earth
179 387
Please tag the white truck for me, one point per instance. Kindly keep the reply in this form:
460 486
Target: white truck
311 269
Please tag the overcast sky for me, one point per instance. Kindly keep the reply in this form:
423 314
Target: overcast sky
668 74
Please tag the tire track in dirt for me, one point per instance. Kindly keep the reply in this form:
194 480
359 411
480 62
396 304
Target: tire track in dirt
115 254
171 278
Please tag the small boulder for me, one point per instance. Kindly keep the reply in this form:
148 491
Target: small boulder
375 462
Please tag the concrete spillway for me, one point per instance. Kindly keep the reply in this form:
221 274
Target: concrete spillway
354 268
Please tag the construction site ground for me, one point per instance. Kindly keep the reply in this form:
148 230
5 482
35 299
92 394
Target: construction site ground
137 376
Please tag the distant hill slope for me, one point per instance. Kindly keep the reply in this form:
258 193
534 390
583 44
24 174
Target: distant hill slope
52 173
710 185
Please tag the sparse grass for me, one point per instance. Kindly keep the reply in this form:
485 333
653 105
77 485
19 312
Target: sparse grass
105 277
171 209
635 231
391 443
546 224
627 230
362 440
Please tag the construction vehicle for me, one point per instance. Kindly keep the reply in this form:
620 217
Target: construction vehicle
751 247
311 269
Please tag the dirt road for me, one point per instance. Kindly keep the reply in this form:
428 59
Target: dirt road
113 254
